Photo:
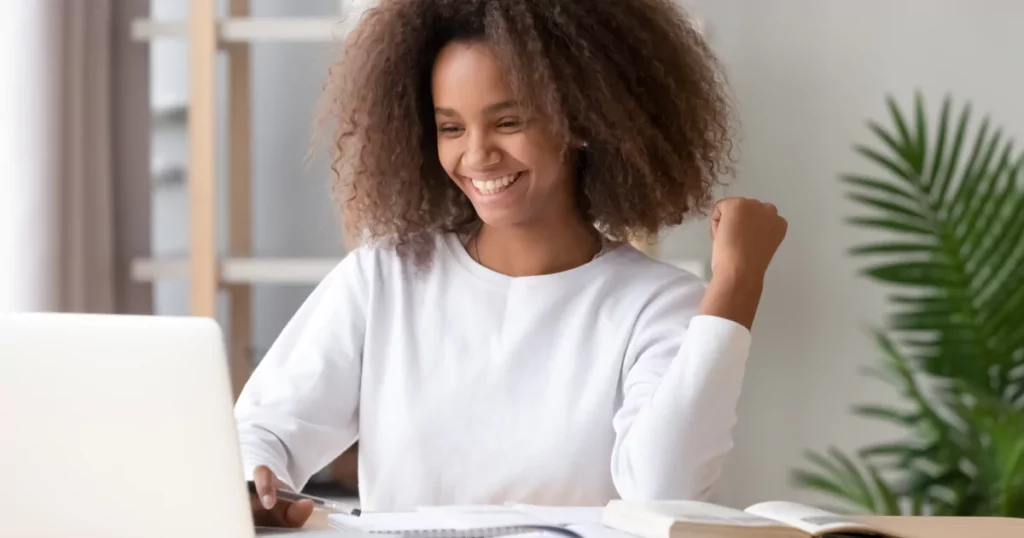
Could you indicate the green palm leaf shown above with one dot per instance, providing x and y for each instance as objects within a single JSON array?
[
  {"x": 948, "y": 206},
  {"x": 955, "y": 235}
]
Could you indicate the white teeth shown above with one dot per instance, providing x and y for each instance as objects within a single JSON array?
[{"x": 492, "y": 186}]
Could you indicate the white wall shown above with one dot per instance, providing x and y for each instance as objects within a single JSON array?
[{"x": 807, "y": 75}]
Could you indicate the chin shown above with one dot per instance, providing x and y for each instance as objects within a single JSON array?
[{"x": 501, "y": 219}]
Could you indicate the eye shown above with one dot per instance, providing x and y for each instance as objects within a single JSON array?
[
  {"x": 511, "y": 124},
  {"x": 449, "y": 129}
]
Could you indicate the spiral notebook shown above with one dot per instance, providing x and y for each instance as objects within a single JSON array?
[{"x": 466, "y": 522}]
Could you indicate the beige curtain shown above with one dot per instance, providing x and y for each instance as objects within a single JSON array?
[{"x": 100, "y": 192}]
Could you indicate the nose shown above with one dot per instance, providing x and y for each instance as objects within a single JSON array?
[{"x": 481, "y": 152}]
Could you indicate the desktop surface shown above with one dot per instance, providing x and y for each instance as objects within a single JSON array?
[{"x": 909, "y": 526}]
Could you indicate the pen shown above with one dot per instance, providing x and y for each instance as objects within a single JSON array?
[{"x": 288, "y": 495}]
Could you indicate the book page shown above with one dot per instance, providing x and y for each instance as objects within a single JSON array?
[
  {"x": 693, "y": 512},
  {"x": 812, "y": 520}
]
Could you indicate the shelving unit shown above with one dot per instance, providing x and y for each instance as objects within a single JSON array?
[
  {"x": 252, "y": 30},
  {"x": 207, "y": 272},
  {"x": 241, "y": 271}
]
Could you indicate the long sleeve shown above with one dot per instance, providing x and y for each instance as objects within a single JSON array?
[
  {"x": 299, "y": 409},
  {"x": 674, "y": 429}
]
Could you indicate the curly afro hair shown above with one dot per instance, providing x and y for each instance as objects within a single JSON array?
[{"x": 634, "y": 79}]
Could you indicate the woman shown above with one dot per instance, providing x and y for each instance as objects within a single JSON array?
[{"x": 497, "y": 339}]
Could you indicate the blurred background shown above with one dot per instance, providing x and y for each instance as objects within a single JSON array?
[{"x": 102, "y": 209}]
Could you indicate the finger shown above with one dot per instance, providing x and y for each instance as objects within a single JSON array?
[
  {"x": 290, "y": 513},
  {"x": 716, "y": 216},
  {"x": 264, "y": 480},
  {"x": 255, "y": 504},
  {"x": 270, "y": 518},
  {"x": 298, "y": 512},
  {"x": 716, "y": 211},
  {"x": 771, "y": 208},
  {"x": 274, "y": 517}
]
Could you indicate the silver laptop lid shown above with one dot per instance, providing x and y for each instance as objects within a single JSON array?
[{"x": 117, "y": 426}]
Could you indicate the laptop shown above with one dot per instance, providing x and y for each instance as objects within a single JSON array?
[{"x": 119, "y": 426}]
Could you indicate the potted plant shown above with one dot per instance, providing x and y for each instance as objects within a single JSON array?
[{"x": 950, "y": 205}]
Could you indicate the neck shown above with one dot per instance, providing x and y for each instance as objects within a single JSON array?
[{"x": 535, "y": 250}]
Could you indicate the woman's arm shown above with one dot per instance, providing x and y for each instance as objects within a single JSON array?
[
  {"x": 299, "y": 409},
  {"x": 688, "y": 355},
  {"x": 674, "y": 429}
]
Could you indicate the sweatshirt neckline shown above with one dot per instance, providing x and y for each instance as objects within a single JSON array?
[{"x": 458, "y": 251}]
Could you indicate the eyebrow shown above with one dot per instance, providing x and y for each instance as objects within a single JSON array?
[
  {"x": 496, "y": 107},
  {"x": 500, "y": 106}
]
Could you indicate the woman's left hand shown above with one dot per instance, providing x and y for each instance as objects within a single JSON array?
[{"x": 746, "y": 233}]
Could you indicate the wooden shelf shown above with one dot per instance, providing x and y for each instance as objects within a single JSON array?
[
  {"x": 252, "y": 29},
  {"x": 284, "y": 271},
  {"x": 265, "y": 29},
  {"x": 280, "y": 271}
]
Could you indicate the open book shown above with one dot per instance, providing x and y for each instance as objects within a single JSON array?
[{"x": 693, "y": 519}]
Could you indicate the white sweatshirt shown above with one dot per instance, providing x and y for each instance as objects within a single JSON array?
[{"x": 464, "y": 385}]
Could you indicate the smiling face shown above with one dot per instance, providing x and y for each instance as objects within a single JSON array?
[{"x": 508, "y": 165}]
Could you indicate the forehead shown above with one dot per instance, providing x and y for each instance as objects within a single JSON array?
[{"x": 468, "y": 78}]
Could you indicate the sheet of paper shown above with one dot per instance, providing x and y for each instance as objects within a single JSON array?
[
  {"x": 597, "y": 530},
  {"x": 389, "y": 521},
  {"x": 516, "y": 514},
  {"x": 478, "y": 516},
  {"x": 460, "y": 517},
  {"x": 563, "y": 515}
]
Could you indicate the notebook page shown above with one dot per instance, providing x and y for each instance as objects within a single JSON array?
[
  {"x": 388, "y": 521},
  {"x": 516, "y": 514},
  {"x": 597, "y": 530},
  {"x": 563, "y": 515},
  {"x": 480, "y": 516},
  {"x": 444, "y": 521}
]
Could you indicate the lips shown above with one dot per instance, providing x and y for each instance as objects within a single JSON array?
[{"x": 495, "y": 185}]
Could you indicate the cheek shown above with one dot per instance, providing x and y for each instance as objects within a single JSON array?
[
  {"x": 448, "y": 156},
  {"x": 541, "y": 157}
]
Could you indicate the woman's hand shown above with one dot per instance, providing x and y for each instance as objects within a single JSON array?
[
  {"x": 268, "y": 511},
  {"x": 745, "y": 233}
]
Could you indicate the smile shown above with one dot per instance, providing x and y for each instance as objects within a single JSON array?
[{"x": 496, "y": 185}]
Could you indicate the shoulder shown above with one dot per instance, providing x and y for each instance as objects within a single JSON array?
[
  {"x": 384, "y": 260},
  {"x": 651, "y": 280}
]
